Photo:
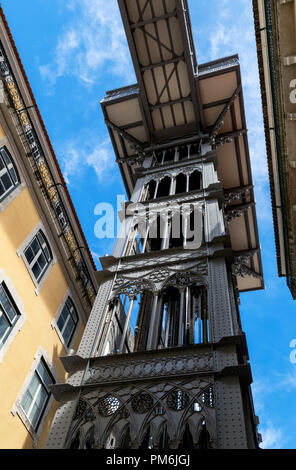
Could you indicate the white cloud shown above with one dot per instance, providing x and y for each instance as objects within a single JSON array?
[
  {"x": 100, "y": 159},
  {"x": 76, "y": 158},
  {"x": 272, "y": 438},
  {"x": 91, "y": 45},
  {"x": 289, "y": 381}
]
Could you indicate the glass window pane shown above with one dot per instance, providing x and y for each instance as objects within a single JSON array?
[
  {"x": 74, "y": 315},
  {"x": 4, "y": 327},
  {"x": 35, "y": 246},
  {"x": 34, "y": 415},
  {"x": 30, "y": 393},
  {"x": 41, "y": 397},
  {"x": 29, "y": 255},
  {"x": 36, "y": 270},
  {"x": 1, "y": 164},
  {"x": 6, "y": 181},
  {"x": 1, "y": 189},
  {"x": 38, "y": 406},
  {"x": 26, "y": 401},
  {"x": 9, "y": 310},
  {"x": 42, "y": 261},
  {"x": 63, "y": 318},
  {"x": 47, "y": 253},
  {"x": 45, "y": 376},
  {"x": 68, "y": 331},
  {"x": 5, "y": 157},
  {"x": 13, "y": 175},
  {"x": 40, "y": 238},
  {"x": 7, "y": 305}
]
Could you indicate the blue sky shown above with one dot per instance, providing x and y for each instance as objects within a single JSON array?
[{"x": 75, "y": 50}]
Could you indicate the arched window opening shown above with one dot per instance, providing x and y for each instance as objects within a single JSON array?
[
  {"x": 126, "y": 439},
  {"x": 204, "y": 438},
  {"x": 195, "y": 181},
  {"x": 90, "y": 440},
  {"x": 147, "y": 442},
  {"x": 75, "y": 444},
  {"x": 181, "y": 183},
  {"x": 151, "y": 190},
  {"x": 164, "y": 187},
  {"x": 163, "y": 443},
  {"x": 187, "y": 440},
  {"x": 9, "y": 178}
]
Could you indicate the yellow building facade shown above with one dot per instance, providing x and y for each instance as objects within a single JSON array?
[{"x": 47, "y": 275}]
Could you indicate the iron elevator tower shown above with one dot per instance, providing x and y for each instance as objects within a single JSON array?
[{"x": 163, "y": 362}]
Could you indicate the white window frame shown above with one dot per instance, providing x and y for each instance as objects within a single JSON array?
[
  {"x": 4, "y": 142},
  {"x": 54, "y": 323},
  {"x": 21, "y": 253},
  {"x": 22, "y": 316},
  {"x": 7, "y": 170},
  {"x": 17, "y": 409}
]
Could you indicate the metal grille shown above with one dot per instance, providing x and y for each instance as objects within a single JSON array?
[
  {"x": 177, "y": 400},
  {"x": 142, "y": 403},
  {"x": 108, "y": 406}
]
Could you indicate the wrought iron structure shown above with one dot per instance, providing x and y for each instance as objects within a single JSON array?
[{"x": 163, "y": 362}]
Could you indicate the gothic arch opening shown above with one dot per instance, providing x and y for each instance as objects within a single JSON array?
[
  {"x": 75, "y": 444},
  {"x": 125, "y": 439},
  {"x": 151, "y": 190},
  {"x": 204, "y": 438},
  {"x": 164, "y": 187},
  {"x": 187, "y": 442},
  {"x": 181, "y": 183},
  {"x": 147, "y": 442},
  {"x": 195, "y": 181},
  {"x": 163, "y": 442}
]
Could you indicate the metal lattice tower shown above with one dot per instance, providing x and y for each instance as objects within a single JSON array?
[{"x": 163, "y": 362}]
